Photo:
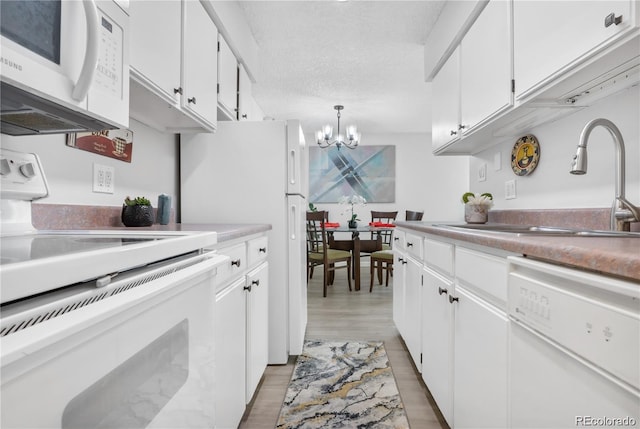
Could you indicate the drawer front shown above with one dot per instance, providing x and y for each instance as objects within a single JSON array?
[
  {"x": 439, "y": 255},
  {"x": 257, "y": 250},
  {"x": 414, "y": 245},
  {"x": 399, "y": 241},
  {"x": 484, "y": 273},
  {"x": 235, "y": 266}
]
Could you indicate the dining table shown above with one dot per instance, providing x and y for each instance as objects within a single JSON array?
[{"x": 356, "y": 244}]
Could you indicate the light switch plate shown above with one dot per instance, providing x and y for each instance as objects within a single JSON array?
[
  {"x": 103, "y": 179},
  {"x": 510, "y": 189},
  {"x": 482, "y": 172}
]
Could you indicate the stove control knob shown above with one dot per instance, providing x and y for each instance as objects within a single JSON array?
[
  {"x": 27, "y": 170},
  {"x": 5, "y": 168}
]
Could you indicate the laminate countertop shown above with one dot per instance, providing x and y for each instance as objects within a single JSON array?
[
  {"x": 226, "y": 231},
  {"x": 616, "y": 256}
]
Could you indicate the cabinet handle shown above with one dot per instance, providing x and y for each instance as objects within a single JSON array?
[
  {"x": 247, "y": 288},
  {"x": 404, "y": 262},
  {"x": 462, "y": 127},
  {"x": 612, "y": 19},
  {"x": 177, "y": 90},
  {"x": 454, "y": 132},
  {"x": 255, "y": 282},
  {"x": 441, "y": 291},
  {"x": 236, "y": 263},
  {"x": 409, "y": 244},
  {"x": 263, "y": 250},
  {"x": 400, "y": 260},
  {"x": 395, "y": 239},
  {"x": 191, "y": 100},
  {"x": 452, "y": 299},
  {"x": 244, "y": 116}
]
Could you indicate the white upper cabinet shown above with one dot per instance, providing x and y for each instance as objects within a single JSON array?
[
  {"x": 474, "y": 84},
  {"x": 245, "y": 99},
  {"x": 552, "y": 37},
  {"x": 446, "y": 101},
  {"x": 155, "y": 24},
  {"x": 200, "y": 63},
  {"x": 485, "y": 67},
  {"x": 228, "y": 81},
  {"x": 173, "y": 65}
]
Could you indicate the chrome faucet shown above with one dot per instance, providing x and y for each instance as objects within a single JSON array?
[{"x": 622, "y": 211}]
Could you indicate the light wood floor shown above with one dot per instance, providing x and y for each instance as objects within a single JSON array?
[{"x": 345, "y": 315}]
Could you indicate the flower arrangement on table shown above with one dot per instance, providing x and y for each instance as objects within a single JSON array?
[
  {"x": 476, "y": 207},
  {"x": 352, "y": 201}
]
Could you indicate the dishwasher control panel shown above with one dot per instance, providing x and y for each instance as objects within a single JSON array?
[{"x": 598, "y": 325}]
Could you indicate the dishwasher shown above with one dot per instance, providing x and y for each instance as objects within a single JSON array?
[{"x": 574, "y": 348}]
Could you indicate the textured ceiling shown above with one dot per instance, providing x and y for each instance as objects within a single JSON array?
[{"x": 365, "y": 55}]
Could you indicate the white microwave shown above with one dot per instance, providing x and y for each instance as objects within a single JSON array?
[{"x": 64, "y": 66}]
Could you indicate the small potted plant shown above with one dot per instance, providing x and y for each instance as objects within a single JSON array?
[
  {"x": 476, "y": 207},
  {"x": 137, "y": 212},
  {"x": 355, "y": 199}
]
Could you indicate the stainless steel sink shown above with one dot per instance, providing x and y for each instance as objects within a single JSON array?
[{"x": 538, "y": 230}]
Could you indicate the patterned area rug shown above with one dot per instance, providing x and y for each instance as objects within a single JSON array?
[{"x": 342, "y": 385}]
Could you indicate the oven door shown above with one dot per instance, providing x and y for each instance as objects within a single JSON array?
[{"x": 141, "y": 357}]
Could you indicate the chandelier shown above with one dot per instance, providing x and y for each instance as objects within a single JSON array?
[{"x": 326, "y": 133}]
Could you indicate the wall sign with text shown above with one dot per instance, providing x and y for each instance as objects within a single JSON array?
[{"x": 117, "y": 144}]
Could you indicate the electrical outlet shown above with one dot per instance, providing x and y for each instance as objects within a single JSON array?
[
  {"x": 482, "y": 172},
  {"x": 510, "y": 189},
  {"x": 103, "y": 179}
]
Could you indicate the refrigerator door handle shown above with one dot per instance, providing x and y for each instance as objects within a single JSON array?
[
  {"x": 293, "y": 219},
  {"x": 293, "y": 172}
]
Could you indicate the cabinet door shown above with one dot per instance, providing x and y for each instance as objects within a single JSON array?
[
  {"x": 257, "y": 327},
  {"x": 485, "y": 66},
  {"x": 154, "y": 24},
  {"x": 230, "y": 355},
  {"x": 245, "y": 98},
  {"x": 200, "y": 62},
  {"x": 437, "y": 344},
  {"x": 551, "y": 35},
  {"x": 480, "y": 368},
  {"x": 399, "y": 264},
  {"x": 228, "y": 81},
  {"x": 413, "y": 305},
  {"x": 446, "y": 102}
]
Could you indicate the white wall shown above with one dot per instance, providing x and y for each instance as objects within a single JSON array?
[
  {"x": 551, "y": 185},
  {"x": 69, "y": 171},
  {"x": 423, "y": 181}
]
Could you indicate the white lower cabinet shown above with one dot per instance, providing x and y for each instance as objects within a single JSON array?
[
  {"x": 257, "y": 327},
  {"x": 242, "y": 324},
  {"x": 480, "y": 363},
  {"x": 231, "y": 313},
  {"x": 413, "y": 311},
  {"x": 437, "y": 347},
  {"x": 400, "y": 259}
]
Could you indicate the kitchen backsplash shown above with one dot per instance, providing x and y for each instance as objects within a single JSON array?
[{"x": 63, "y": 216}]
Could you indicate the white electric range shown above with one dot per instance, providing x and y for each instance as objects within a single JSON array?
[{"x": 108, "y": 328}]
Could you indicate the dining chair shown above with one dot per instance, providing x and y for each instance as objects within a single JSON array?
[
  {"x": 330, "y": 234},
  {"x": 319, "y": 253},
  {"x": 384, "y": 217},
  {"x": 411, "y": 215},
  {"x": 381, "y": 260}
]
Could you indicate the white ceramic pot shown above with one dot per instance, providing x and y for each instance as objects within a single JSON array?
[{"x": 476, "y": 213}]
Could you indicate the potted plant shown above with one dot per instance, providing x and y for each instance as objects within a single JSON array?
[
  {"x": 355, "y": 199},
  {"x": 137, "y": 212},
  {"x": 476, "y": 207}
]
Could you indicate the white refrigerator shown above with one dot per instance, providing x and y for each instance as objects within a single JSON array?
[{"x": 256, "y": 172}]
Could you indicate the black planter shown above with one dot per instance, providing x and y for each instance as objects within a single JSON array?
[
  {"x": 137, "y": 215},
  {"x": 353, "y": 224}
]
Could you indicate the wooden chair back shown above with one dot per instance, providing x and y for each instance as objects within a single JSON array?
[{"x": 384, "y": 217}]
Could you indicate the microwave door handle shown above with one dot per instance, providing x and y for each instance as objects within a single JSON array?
[{"x": 91, "y": 55}]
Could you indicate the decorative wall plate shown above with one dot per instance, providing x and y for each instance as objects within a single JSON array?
[{"x": 525, "y": 155}]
